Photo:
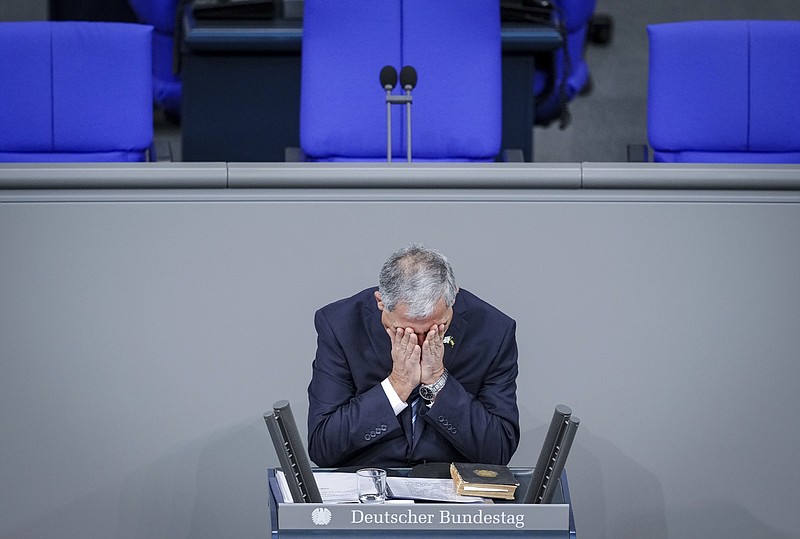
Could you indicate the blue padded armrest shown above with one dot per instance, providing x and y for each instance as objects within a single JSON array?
[
  {"x": 455, "y": 47},
  {"x": 576, "y": 13},
  {"x": 167, "y": 88},
  {"x": 159, "y": 13},
  {"x": 573, "y": 70},
  {"x": 342, "y": 106}
]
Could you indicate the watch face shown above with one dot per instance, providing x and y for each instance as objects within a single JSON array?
[{"x": 426, "y": 393}]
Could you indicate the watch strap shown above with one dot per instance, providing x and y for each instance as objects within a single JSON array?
[{"x": 429, "y": 391}]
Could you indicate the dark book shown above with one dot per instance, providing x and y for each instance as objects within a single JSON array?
[{"x": 484, "y": 480}]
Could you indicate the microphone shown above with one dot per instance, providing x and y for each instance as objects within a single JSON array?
[
  {"x": 388, "y": 78},
  {"x": 408, "y": 80}
]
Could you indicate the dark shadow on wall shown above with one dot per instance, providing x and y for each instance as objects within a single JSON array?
[
  {"x": 613, "y": 496},
  {"x": 232, "y": 488},
  {"x": 720, "y": 518},
  {"x": 213, "y": 488},
  {"x": 216, "y": 488},
  {"x": 603, "y": 479}
]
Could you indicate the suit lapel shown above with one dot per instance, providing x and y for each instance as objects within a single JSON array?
[
  {"x": 381, "y": 345},
  {"x": 382, "y": 348},
  {"x": 456, "y": 332}
]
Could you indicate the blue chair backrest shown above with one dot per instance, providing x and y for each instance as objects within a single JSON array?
[
  {"x": 75, "y": 91},
  {"x": 724, "y": 91},
  {"x": 457, "y": 103}
]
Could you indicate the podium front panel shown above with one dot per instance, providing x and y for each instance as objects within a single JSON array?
[{"x": 430, "y": 520}]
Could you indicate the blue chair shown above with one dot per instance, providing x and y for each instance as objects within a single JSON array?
[
  {"x": 75, "y": 91},
  {"x": 562, "y": 75},
  {"x": 724, "y": 92},
  {"x": 163, "y": 16},
  {"x": 457, "y": 103}
]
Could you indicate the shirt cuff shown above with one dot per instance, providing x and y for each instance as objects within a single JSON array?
[{"x": 394, "y": 399}]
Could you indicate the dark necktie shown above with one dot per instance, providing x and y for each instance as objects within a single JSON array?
[{"x": 414, "y": 413}]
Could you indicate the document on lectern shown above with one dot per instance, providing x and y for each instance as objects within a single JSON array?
[
  {"x": 334, "y": 487},
  {"x": 431, "y": 490},
  {"x": 340, "y": 487}
]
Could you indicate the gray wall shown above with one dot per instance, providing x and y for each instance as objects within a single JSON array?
[{"x": 143, "y": 334}]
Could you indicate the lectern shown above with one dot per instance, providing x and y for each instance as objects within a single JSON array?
[{"x": 425, "y": 520}]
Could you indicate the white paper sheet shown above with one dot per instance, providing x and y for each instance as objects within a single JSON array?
[{"x": 339, "y": 487}]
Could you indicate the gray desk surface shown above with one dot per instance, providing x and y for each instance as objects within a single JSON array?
[
  {"x": 611, "y": 179},
  {"x": 287, "y": 35}
]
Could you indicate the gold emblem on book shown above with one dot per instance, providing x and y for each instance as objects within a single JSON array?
[{"x": 485, "y": 473}]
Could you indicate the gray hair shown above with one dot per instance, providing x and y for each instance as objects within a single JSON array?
[{"x": 418, "y": 278}]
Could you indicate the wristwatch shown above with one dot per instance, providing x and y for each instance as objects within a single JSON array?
[{"x": 429, "y": 391}]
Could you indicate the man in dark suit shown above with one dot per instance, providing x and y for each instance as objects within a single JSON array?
[{"x": 416, "y": 370}]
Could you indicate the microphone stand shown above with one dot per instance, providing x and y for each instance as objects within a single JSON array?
[
  {"x": 408, "y": 79},
  {"x": 388, "y": 78},
  {"x": 408, "y": 121},
  {"x": 388, "y": 126}
]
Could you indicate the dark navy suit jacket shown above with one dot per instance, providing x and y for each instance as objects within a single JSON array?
[{"x": 475, "y": 416}]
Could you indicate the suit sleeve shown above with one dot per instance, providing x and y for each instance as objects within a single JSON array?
[
  {"x": 483, "y": 427},
  {"x": 343, "y": 418}
]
